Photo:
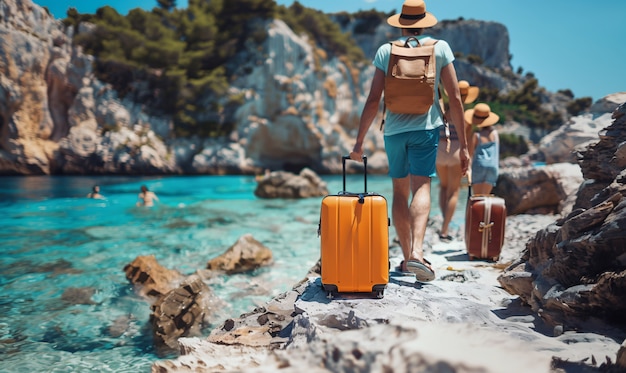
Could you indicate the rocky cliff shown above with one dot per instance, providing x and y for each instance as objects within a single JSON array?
[
  {"x": 575, "y": 268},
  {"x": 300, "y": 106},
  {"x": 56, "y": 117}
]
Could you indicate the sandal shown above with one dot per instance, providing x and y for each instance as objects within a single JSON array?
[
  {"x": 400, "y": 271},
  {"x": 422, "y": 272},
  {"x": 445, "y": 238}
]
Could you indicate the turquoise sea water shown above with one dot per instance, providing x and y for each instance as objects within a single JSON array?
[{"x": 53, "y": 239}]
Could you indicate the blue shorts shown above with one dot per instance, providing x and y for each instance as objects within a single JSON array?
[
  {"x": 412, "y": 153},
  {"x": 484, "y": 174}
]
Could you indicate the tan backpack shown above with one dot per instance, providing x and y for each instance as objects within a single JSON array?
[{"x": 410, "y": 80}]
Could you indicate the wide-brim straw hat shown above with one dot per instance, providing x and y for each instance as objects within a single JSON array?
[
  {"x": 469, "y": 93},
  {"x": 481, "y": 116},
  {"x": 414, "y": 15}
]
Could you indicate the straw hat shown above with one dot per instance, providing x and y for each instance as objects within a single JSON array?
[
  {"x": 414, "y": 15},
  {"x": 481, "y": 116},
  {"x": 469, "y": 93}
]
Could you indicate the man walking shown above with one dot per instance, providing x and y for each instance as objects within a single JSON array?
[{"x": 411, "y": 140}]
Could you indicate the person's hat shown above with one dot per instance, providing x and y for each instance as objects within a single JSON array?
[
  {"x": 414, "y": 15},
  {"x": 469, "y": 93},
  {"x": 481, "y": 116}
]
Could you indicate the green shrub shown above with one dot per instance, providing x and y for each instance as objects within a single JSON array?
[
  {"x": 326, "y": 33},
  {"x": 512, "y": 145},
  {"x": 474, "y": 59},
  {"x": 566, "y": 92},
  {"x": 579, "y": 105},
  {"x": 367, "y": 21},
  {"x": 522, "y": 105},
  {"x": 180, "y": 53}
]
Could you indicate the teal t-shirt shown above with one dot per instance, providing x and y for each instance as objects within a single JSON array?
[{"x": 397, "y": 123}]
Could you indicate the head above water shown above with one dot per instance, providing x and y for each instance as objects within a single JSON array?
[
  {"x": 413, "y": 15},
  {"x": 144, "y": 188}
]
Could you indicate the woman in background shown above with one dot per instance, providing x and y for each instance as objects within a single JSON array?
[
  {"x": 485, "y": 148},
  {"x": 449, "y": 164}
]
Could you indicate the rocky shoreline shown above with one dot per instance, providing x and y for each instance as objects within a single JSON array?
[
  {"x": 464, "y": 321},
  {"x": 551, "y": 303}
]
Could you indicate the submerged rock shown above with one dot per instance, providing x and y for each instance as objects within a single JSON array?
[
  {"x": 79, "y": 295},
  {"x": 244, "y": 255}
]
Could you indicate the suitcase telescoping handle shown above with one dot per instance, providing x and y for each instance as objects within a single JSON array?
[{"x": 343, "y": 161}]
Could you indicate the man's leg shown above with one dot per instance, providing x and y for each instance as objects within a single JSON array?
[
  {"x": 418, "y": 212},
  {"x": 400, "y": 215}
]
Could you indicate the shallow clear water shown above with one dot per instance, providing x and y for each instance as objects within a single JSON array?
[{"x": 54, "y": 239}]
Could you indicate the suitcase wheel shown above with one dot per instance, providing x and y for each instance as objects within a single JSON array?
[
  {"x": 379, "y": 290},
  {"x": 495, "y": 258},
  {"x": 331, "y": 290}
]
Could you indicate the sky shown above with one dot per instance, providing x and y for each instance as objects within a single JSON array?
[{"x": 566, "y": 44}]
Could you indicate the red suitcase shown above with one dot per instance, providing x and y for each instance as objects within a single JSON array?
[
  {"x": 485, "y": 222},
  {"x": 354, "y": 231}
]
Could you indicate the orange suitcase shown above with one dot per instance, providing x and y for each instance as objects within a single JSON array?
[
  {"x": 485, "y": 221},
  {"x": 354, "y": 231}
]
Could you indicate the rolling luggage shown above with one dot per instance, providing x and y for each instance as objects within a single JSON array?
[
  {"x": 354, "y": 231},
  {"x": 485, "y": 222}
]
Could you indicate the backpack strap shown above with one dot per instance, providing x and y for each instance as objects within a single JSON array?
[
  {"x": 382, "y": 122},
  {"x": 406, "y": 44},
  {"x": 443, "y": 117}
]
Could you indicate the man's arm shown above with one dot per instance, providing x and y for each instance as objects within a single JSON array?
[{"x": 369, "y": 113}]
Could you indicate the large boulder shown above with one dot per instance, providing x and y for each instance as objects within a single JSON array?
[
  {"x": 244, "y": 255},
  {"x": 562, "y": 145},
  {"x": 282, "y": 184},
  {"x": 549, "y": 189},
  {"x": 576, "y": 267},
  {"x": 151, "y": 278},
  {"x": 181, "y": 312},
  {"x": 180, "y": 306}
]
